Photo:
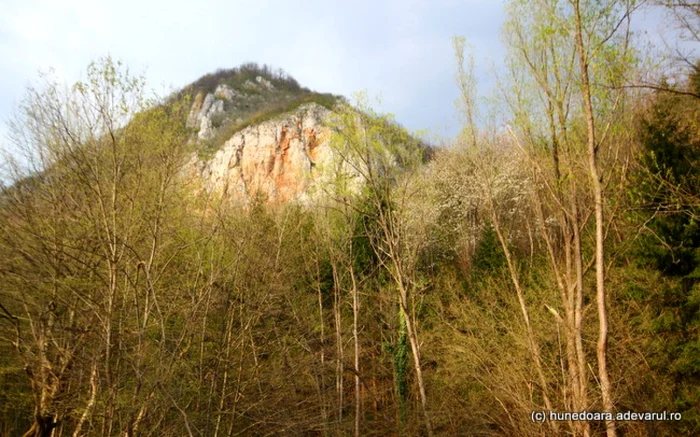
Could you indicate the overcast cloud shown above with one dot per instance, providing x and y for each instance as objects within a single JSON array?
[{"x": 399, "y": 49}]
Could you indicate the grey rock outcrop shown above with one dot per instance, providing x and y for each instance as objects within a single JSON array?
[
  {"x": 265, "y": 83},
  {"x": 206, "y": 127},
  {"x": 225, "y": 92},
  {"x": 202, "y": 112}
]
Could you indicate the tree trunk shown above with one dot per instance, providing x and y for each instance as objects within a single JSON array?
[
  {"x": 356, "y": 337},
  {"x": 42, "y": 427},
  {"x": 412, "y": 340},
  {"x": 534, "y": 347},
  {"x": 339, "y": 343},
  {"x": 596, "y": 185}
]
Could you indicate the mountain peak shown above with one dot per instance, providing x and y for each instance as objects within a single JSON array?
[
  {"x": 228, "y": 100},
  {"x": 257, "y": 131}
]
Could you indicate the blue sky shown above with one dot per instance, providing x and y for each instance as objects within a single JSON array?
[{"x": 398, "y": 49}]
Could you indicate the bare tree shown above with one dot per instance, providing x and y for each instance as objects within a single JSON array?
[{"x": 382, "y": 158}]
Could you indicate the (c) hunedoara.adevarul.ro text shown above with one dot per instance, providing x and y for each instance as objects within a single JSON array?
[{"x": 562, "y": 416}]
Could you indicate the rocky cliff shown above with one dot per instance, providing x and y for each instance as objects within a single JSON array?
[
  {"x": 257, "y": 135},
  {"x": 279, "y": 158}
]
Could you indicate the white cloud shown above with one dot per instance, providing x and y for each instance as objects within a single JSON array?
[{"x": 400, "y": 48}]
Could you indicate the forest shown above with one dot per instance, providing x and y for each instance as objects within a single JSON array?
[{"x": 540, "y": 269}]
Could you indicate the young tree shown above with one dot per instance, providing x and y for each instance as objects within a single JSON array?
[
  {"x": 573, "y": 58},
  {"x": 381, "y": 159},
  {"x": 88, "y": 244}
]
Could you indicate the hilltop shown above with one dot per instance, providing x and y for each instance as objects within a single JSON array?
[
  {"x": 229, "y": 100},
  {"x": 256, "y": 131}
]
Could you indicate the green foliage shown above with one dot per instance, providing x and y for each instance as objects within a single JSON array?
[
  {"x": 670, "y": 179},
  {"x": 400, "y": 354},
  {"x": 15, "y": 400},
  {"x": 669, "y": 182},
  {"x": 489, "y": 259},
  {"x": 152, "y": 310},
  {"x": 236, "y": 78},
  {"x": 671, "y": 327},
  {"x": 218, "y": 119},
  {"x": 274, "y": 110}
]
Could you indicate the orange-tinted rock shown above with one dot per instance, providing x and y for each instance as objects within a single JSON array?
[{"x": 281, "y": 158}]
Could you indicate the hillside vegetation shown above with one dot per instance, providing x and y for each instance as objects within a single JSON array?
[
  {"x": 262, "y": 93},
  {"x": 544, "y": 263}
]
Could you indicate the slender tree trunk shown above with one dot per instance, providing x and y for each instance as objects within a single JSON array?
[
  {"x": 415, "y": 351},
  {"x": 322, "y": 358},
  {"x": 570, "y": 292},
  {"x": 224, "y": 383},
  {"x": 596, "y": 185},
  {"x": 534, "y": 346},
  {"x": 578, "y": 318},
  {"x": 356, "y": 338},
  {"x": 570, "y": 283},
  {"x": 91, "y": 401},
  {"x": 339, "y": 381}
]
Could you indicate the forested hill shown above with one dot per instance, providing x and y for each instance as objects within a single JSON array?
[
  {"x": 257, "y": 133},
  {"x": 248, "y": 257}
]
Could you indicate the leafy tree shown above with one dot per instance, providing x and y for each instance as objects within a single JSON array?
[{"x": 669, "y": 181}]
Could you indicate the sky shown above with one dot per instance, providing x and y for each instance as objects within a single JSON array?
[{"x": 398, "y": 50}]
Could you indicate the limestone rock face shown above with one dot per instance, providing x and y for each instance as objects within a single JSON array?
[
  {"x": 206, "y": 129},
  {"x": 265, "y": 83},
  {"x": 225, "y": 92},
  {"x": 281, "y": 158},
  {"x": 203, "y": 109}
]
